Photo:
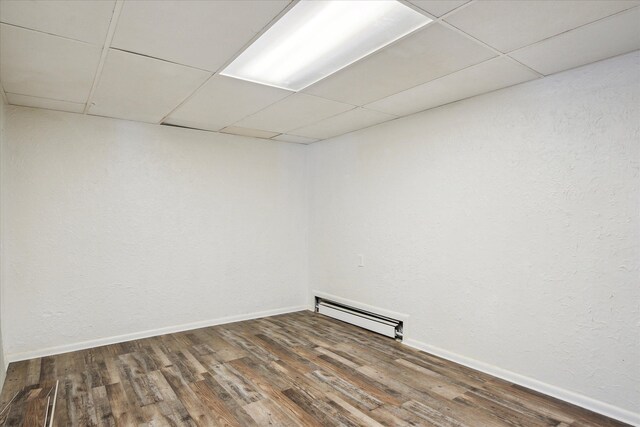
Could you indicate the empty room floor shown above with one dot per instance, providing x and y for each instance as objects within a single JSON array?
[{"x": 297, "y": 369}]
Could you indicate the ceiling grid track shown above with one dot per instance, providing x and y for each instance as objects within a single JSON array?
[
  {"x": 105, "y": 50},
  {"x": 309, "y": 124},
  {"x": 499, "y": 54},
  {"x": 230, "y": 60},
  {"x": 471, "y": 47},
  {"x": 494, "y": 50},
  {"x": 508, "y": 55},
  {"x": 290, "y": 132},
  {"x": 3, "y": 94},
  {"x": 44, "y": 32},
  {"x": 266, "y": 28}
]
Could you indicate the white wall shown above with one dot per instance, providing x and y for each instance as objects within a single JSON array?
[
  {"x": 115, "y": 227},
  {"x": 2, "y": 357},
  {"x": 505, "y": 225}
]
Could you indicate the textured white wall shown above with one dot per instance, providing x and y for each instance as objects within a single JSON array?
[
  {"x": 2, "y": 363},
  {"x": 506, "y": 226},
  {"x": 115, "y": 227}
]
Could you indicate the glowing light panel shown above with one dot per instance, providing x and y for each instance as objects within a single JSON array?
[{"x": 317, "y": 38}]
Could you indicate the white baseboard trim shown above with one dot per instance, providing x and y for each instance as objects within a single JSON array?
[
  {"x": 548, "y": 389},
  {"x": 16, "y": 357}
]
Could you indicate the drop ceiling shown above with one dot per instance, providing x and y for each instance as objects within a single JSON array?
[{"x": 159, "y": 61}]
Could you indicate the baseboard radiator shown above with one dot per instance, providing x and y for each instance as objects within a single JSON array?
[{"x": 365, "y": 319}]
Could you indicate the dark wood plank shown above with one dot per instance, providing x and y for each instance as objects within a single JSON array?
[{"x": 296, "y": 369}]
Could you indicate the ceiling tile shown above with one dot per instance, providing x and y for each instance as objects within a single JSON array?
[
  {"x": 256, "y": 133},
  {"x": 294, "y": 138},
  {"x": 223, "y": 101},
  {"x": 86, "y": 20},
  {"x": 355, "y": 119},
  {"x": 293, "y": 112},
  {"x": 609, "y": 37},
  {"x": 485, "y": 77},
  {"x": 135, "y": 87},
  {"x": 48, "y": 104},
  {"x": 509, "y": 25},
  {"x": 426, "y": 55},
  {"x": 38, "y": 64},
  {"x": 438, "y": 7},
  {"x": 202, "y": 34}
]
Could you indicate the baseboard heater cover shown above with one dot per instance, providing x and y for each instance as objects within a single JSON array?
[{"x": 365, "y": 319}]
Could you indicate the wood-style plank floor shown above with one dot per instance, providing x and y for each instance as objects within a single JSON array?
[{"x": 298, "y": 369}]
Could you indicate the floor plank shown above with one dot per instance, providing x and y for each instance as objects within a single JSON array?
[{"x": 296, "y": 369}]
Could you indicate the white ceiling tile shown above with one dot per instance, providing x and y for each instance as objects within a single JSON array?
[
  {"x": 438, "y": 7},
  {"x": 46, "y": 66},
  {"x": 485, "y": 77},
  {"x": 86, "y": 20},
  {"x": 48, "y": 104},
  {"x": 351, "y": 120},
  {"x": 223, "y": 101},
  {"x": 135, "y": 87},
  {"x": 255, "y": 133},
  {"x": 202, "y": 34},
  {"x": 426, "y": 55},
  {"x": 294, "y": 138},
  {"x": 609, "y": 37},
  {"x": 509, "y": 25},
  {"x": 293, "y": 112}
]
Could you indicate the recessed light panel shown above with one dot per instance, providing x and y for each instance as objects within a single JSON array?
[{"x": 317, "y": 38}]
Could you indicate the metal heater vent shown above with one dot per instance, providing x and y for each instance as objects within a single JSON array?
[{"x": 365, "y": 319}]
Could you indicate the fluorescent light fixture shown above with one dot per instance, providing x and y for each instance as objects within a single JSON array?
[{"x": 316, "y": 38}]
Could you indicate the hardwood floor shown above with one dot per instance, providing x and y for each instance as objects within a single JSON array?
[{"x": 298, "y": 369}]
